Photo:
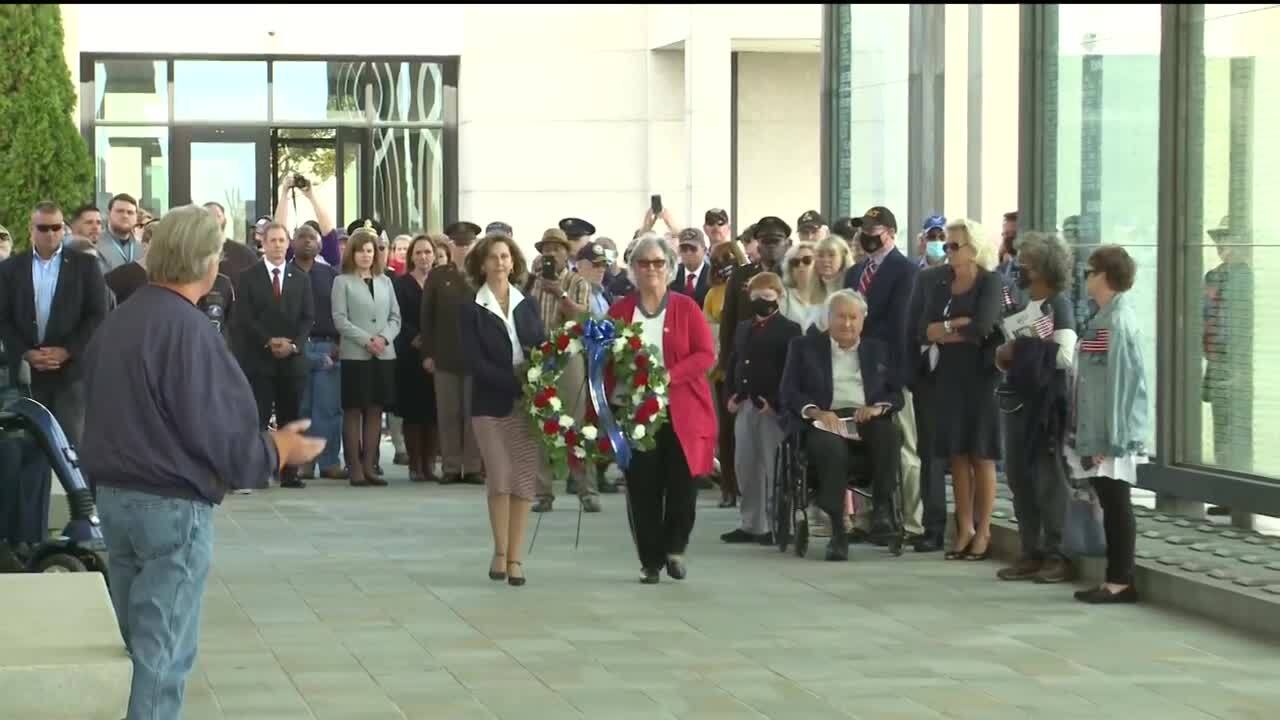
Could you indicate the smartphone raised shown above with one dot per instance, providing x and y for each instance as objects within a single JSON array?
[{"x": 655, "y": 204}]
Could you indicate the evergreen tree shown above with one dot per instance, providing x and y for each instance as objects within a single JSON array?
[{"x": 42, "y": 156}]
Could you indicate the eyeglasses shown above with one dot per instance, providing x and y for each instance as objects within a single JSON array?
[
  {"x": 807, "y": 260},
  {"x": 55, "y": 227},
  {"x": 952, "y": 246},
  {"x": 657, "y": 264}
]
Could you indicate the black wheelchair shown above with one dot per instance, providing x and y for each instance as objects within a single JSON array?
[{"x": 793, "y": 492}]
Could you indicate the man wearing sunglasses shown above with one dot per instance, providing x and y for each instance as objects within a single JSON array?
[
  {"x": 6, "y": 243},
  {"x": 693, "y": 277},
  {"x": 51, "y": 300},
  {"x": 716, "y": 226}
]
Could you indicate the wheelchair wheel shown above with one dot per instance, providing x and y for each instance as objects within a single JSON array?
[
  {"x": 781, "y": 499},
  {"x": 802, "y": 538}
]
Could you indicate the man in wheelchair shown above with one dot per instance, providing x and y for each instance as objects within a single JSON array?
[{"x": 837, "y": 383}]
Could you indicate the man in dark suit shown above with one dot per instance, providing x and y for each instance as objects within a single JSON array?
[
  {"x": 838, "y": 375},
  {"x": 886, "y": 278},
  {"x": 51, "y": 300},
  {"x": 274, "y": 317},
  {"x": 923, "y": 390},
  {"x": 693, "y": 277}
]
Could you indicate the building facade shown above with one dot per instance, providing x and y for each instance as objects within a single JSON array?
[
  {"x": 420, "y": 115},
  {"x": 1140, "y": 125}
]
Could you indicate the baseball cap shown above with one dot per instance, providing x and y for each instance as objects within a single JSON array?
[
  {"x": 846, "y": 227},
  {"x": 593, "y": 252},
  {"x": 692, "y": 236},
  {"x": 497, "y": 227},
  {"x": 716, "y": 216},
  {"x": 879, "y": 215},
  {"x": 811, "y": 219},
  {"x": 934, "y": 222}
]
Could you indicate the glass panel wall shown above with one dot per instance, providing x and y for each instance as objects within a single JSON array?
[
  {"x": 303, "y": 91},
  {"x": 220, "y": 90},
  {"x": 131, "y": 90},
  {"x": 878, "y": 101},
  {"x": 1233, "y": 320},
  {"x": 132, "y": 160},
  {"x": 408, "y": 179},
  {"x": 1107, "y": 108}
]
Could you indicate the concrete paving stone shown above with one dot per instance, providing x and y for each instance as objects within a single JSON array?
[{"x": 348, "y": 620}]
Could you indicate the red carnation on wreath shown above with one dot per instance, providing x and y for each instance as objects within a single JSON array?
[
  {"x": 562, "y": 342},
  {"x": 642, "y": 362},
  {"x": 603, "y": 445},
  {"x": 547, "y": 347},
  {"x": 571, "y": 438},
  {"x": 540, "y": 400},
  {"x": 640, "y": 379},
  {"x": 636, "y": 343},
  {"x": 551, "y": 427}
]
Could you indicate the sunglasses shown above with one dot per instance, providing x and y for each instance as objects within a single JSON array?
[
  {"x": 807, "y": 260},
  {"x": 657, "y": 264},
  {"x": 718, "y": 223},
  {"x": 55, "y": 227},
  {"x": 688, "y": 248},
  {"x": 952, "y": 246}
]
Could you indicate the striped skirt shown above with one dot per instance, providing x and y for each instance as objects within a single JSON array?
[{"x": 512, "y": 457}]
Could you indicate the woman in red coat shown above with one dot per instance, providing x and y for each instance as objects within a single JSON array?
[{"x": 661, "y": 493}]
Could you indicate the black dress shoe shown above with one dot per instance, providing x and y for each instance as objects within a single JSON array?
[
  {"x": 927, "y": 544},
  {"x": 857, "y": 536},
  {"x": 292, "y": 483},
  {"x": 512, "y": 580},
  {"x": 473, "y": 479},
  {"x": 649, "y": 576},
  {"x": 450, "y": 479},
  {"x": 676, "y": 569},
  {"x": 738, "y": 536},
  {"x": 837, "y": 551},
  {"x": 1102, "y": 596},
  {"x": 765, "y": 538}
]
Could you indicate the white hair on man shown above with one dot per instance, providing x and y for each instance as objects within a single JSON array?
[{"x": 845, "y": 296}]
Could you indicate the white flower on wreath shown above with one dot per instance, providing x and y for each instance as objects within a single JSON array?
[
  {"x": 638, "y": 397},
  {"x": 619, "y": 345},
  {"x": 637, "y": 433},
  {"x": 555, "y": 404},
  {"x": 534, "y": 374},
  {"x": 628, "y": 333},
  {"x": 579, "y": 453},
  {"x": 575, "y": 347},
  {"x": 589, "y": 432},
  {"x": 571, "y": 324},
  {"x": 660, "y": 391},
  {"x": 566, "y": 422},
  {"x": 559, "y": 441}
]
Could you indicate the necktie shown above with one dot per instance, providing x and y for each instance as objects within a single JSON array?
[
  {"x": 690, "y": 282},
  {"x": 867, "y": 273},
  {"x": 275, "y": 282}
]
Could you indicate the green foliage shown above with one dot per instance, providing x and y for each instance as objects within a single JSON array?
[{"x": 42, "y": 156}]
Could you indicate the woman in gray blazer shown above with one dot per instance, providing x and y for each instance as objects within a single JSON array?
[{"x": 367, "y": 317}]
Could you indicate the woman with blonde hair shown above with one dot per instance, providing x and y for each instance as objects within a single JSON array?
[
  {"x": 800, "y": 281},
  {"x": 832, "y": 261},
  {"x": 960, "y": 319},
  {"x": 724, "y": 257}
]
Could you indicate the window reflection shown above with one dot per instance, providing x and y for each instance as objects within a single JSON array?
[
  {"x": 132, "y": 160},
  {"x": 317, "y": 90},
  {"x": 408, "y": 179},
  {"x": 131, "y": 90},
  {"x": 220, "y": 90}
]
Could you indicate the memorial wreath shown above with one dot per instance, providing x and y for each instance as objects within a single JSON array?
[{"x": 640, "y": 395}]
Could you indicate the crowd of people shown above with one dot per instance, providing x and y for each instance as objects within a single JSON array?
[{"x": 185, "y": 366}]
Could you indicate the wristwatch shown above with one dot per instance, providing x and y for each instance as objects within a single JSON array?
[{"x": 946, "y": 325}]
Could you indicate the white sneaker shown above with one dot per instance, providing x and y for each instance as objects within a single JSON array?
[{"x": 242, "y": 491}]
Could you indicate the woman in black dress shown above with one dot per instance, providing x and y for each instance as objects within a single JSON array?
[
  {"x": 960, "y": 319},
  {"x": 415, "y": 390}
]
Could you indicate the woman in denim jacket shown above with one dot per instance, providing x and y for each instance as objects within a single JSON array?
[{"x": 1109, "y": 420}]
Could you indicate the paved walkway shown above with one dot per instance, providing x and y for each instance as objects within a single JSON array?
[{"x": 338, "y": 602}]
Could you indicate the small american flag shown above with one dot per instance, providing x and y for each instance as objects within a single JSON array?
[
  {"x": 1006, "y": 297},
  {"x": 1099, "y": 343},
  {"x": 1044, "y": 327}
]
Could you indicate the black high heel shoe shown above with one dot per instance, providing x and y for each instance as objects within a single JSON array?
[
  {"x": 512, "y": 580},
  {"x": 976, "y": 557},
  {"x": 497, "y": 574},
  {"x": 960, "y": 553}
]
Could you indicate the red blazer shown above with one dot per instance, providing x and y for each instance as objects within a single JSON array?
[{"x": 688, "y": 356}]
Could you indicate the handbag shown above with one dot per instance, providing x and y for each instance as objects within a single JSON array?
[{"x": 1082, "y": 532}]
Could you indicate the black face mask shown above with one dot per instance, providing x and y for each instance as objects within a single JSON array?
[
  {"x": 763, "y": 308},
  {"x": 722, "y": 271},
  {"x": 870, "y": 243}
]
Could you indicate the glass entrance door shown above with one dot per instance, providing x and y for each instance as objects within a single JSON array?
[
  {"x": 226, "y": 166},
  {"x": 331, "y": 159}
]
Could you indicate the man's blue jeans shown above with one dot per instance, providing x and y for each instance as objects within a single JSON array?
[
  {"x": 160, "y": 549},
  {"x": 322, "y": 401}
]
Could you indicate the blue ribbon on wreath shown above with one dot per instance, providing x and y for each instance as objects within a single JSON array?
[{"x": 597, "y": 338}]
